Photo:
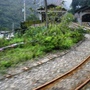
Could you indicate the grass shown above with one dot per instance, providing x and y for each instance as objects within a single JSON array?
[
  {"x": 38, "y": 42},
  {"x": 20, "y": 54},
  {"x": 12, "y": 57},
  {"x": 9, "y": 42}
]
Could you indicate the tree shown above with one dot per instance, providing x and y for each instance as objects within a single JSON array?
[{"x": 79, "y": 3}]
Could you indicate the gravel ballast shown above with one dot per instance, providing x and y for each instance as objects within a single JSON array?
[
  {"x": 75, "y": 79},
  {"x": 48, "y": 71}
]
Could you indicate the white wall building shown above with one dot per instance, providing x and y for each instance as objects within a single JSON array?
[
  {"x": 50, "y": 4},
  {"x": 83, "y": 14}
]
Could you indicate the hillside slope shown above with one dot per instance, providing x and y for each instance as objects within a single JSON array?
[
  {"x": 11, "y": 12},
  {"x": 79, "y": 3}
]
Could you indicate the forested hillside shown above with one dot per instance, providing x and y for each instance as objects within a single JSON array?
[
  {"x": 11, "y": 12},
  {"x": 79, "y": 3}
]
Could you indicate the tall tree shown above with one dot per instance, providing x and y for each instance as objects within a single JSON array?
[
  {"x": 79, "y": 3},
  {"x": 11, "y": 12}
]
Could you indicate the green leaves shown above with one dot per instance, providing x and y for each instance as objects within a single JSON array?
[
  {"x": 56, "y": 36},
  {"x": 40, "y": 40},
  {"x": 79, "y": 3}
]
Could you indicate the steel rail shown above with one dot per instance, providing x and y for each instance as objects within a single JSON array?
[
  {"x": 62, "y": 76},
  {"x": 83, "y": 84}
]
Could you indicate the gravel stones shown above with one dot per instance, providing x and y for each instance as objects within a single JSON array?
[{"x": 45, "y": 72}]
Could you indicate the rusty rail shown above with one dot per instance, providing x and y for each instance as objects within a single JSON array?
[
  {"x": 62, "y": 76},
  {"x": 83, "y": 84}
]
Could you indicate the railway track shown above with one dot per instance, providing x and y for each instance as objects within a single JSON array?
[
  {"x": 25, "y": 69},
  {"x": 49, "y": 85},
  {"x": 83, "y": 84},
  {"x": 39, "y": 63}
]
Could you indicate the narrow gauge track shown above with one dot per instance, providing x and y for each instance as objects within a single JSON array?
[
  {"x": 37, "y": 64},
  {"x": 51, "y": 83},
  {"x": 83, "y": 84}
]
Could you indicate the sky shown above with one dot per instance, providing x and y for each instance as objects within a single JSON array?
[{"x": 67, "y": 3}]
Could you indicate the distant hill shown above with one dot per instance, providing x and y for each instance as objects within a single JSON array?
[
  {"x": 11, "y": 12},
  {"x": 79, "y": 3}
]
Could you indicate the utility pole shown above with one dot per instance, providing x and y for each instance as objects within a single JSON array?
[
  {"x": 45, "y": 1},
  {"x": 24, "y": 11}
]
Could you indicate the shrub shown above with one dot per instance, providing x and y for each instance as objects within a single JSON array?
[
  {"x": 5, "y": 64},
  {"x": 40, "y": 40},
  {"x": 3, "y": 42}
]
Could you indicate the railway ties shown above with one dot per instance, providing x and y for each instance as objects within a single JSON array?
[{"x": 75, "y": 79}]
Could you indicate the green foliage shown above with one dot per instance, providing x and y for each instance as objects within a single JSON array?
[
  {"x": 78, "y": 35},
  {"x": 55, "y": 17},
  {"x": 11, "y": 11},
  {"x": 67, "y": 18},
  {"x": 5, "y": 64},
  {"x": 58, "y": 8},
  {"x": 40, "y": 40},
  {"x": 55, "y": 37},
  {"x": 66, "y": 43},
  {"x": 81, "y": 3},
  {"x": 16, "y": 40},
  {"x": 4, "y": 28},
  {"x": 32, "y": 17},
  {"x": 25, "y": 25},
  {"x": 4, "y": 42}
]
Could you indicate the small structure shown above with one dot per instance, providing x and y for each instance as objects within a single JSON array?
[
  {"x": 6, "y": 34},
  {"x": 50, "y": 4},
  {"x": 83, "y": 14}
]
